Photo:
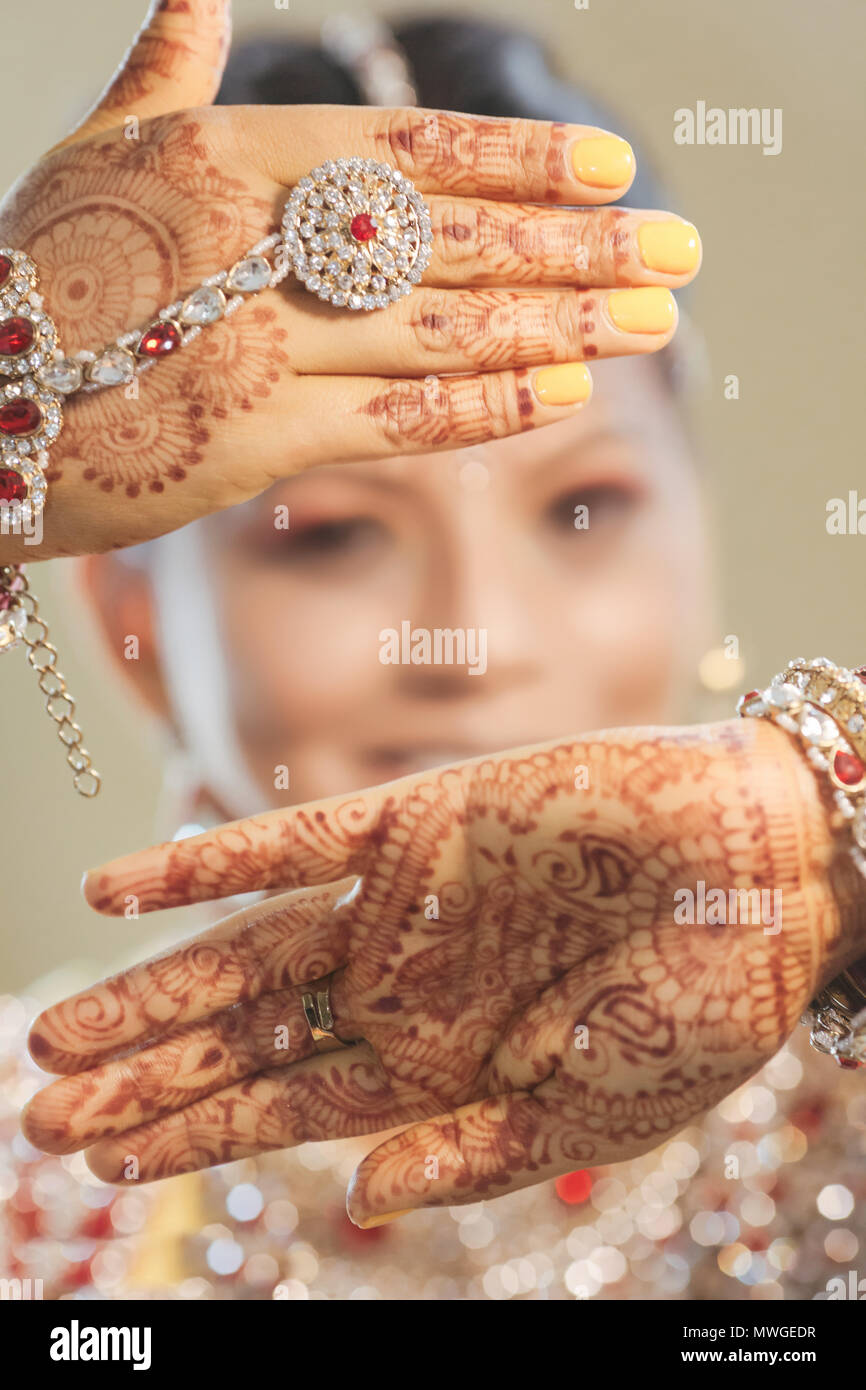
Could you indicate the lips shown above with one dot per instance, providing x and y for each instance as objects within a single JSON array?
[{"x": 400, "y": 762}]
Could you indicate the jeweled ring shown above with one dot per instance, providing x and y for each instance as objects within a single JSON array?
[{"x": 357, "y": 233}]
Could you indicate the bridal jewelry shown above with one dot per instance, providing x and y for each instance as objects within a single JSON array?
[
  {"x": 355, "y": 232},
  {"x": 358, "y": 233},
  {"x": 824, "y": 706},
  {"x": 173, "y": 327},
  {"x": 20, "y": 623},
  {"x": 316, "y": 1004},
  {"x": 31, "y": 418}
]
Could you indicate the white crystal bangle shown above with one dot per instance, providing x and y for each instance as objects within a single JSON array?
[{"x": 824, "y": 707}]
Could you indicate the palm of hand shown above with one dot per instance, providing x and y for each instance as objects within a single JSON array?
[
  {"x": 509, "y": 954},
  {"x": 558, "y": 977}
]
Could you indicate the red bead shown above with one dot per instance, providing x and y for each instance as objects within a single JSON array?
[
  {"x": 5, "y": 270},
  {"x": 573, "y": 1188},
  {"x": 160, "y": 339},
  {"x": 12, "y": 486},
  {"x": 20, "y": 417},
  {"x": 362, "y": 227},
  {"x": 17, "y": 335},
  {"x": 849, "y": 770}
]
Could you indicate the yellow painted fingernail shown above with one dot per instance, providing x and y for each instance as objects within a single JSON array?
[
  {"x": 384, "y": 1218},
  {"x": 674, "y": 248},
  {"x": 603, "y": 161},
  {"x": 569, "y": 383},
  {"x": 650, "y": 310}
]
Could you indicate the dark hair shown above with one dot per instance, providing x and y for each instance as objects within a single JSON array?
[{"x": 457, "y": 65}]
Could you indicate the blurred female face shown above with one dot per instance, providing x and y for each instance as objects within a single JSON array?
[{"x": 570, "y": 557}]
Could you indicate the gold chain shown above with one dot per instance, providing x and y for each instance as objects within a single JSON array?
[{"x": 43, "y": 658}]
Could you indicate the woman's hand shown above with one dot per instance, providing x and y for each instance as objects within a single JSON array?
[
  {"x": 507, "y": 938},
  {"x": 150, "y": 197}
]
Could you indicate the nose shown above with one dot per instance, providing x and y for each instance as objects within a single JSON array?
[{"x": 478, "y": 587}]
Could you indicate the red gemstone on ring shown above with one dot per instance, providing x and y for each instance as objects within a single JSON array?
[
  {"x": 160, "y": 339},
  {"x": 20, "y": 417},
  {"x": 17, "y": 335},
  {"x": 849, "y": 769},
  {"x": 362, "y": 227},
  {"x": 13, "y": 488},
  {"x": 5, "y": 270}
]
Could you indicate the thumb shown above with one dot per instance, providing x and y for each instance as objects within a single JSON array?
[
  {"x": 485, "y": 1149},
  {"x": 176, "y": 61}
]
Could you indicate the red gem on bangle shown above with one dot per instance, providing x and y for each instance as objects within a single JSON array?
[
  {"x": 848, "y": 768},
  {"x": 20, "y": 417},
  {"x": 160, "y": 339},
  {"x": 5, "y": 270},
  {"x": 362, "y": 227},
  {"x": 13, "y": 488},
  {"x": 17, "y": 335}
]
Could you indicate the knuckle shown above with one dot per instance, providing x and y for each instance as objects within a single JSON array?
[
  {"x": 530, "y": 147},
  {"x": 493, "y": 403},
  {"x": 405, "y": 132},
  {"x": 402, "y": 409},
  {"x": 431, "y": 321},
  {"x": 241, "y": 1038},
  {"x": 457, "y": 233},
  {"x": 568, "y": 321},
  {"x": 481, "y": 408}
]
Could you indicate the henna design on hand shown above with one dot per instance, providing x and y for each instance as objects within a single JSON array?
[
  {"x": 117, "y": 235},
  {"x": 555, "y": 909}
]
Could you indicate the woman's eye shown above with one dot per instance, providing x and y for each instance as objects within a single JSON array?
[
  {"x": 585, "y": 511},
  {"x": 330, "y": 540}
]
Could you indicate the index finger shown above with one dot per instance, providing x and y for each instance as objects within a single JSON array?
[
  {"x": 515, "y": 159},
  {"x": 299, "y": 846}
]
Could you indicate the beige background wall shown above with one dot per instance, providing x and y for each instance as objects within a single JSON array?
[{"x": 780, "y": 301}]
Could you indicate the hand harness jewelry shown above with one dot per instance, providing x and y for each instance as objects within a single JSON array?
[{"x": 355, "y": 233}]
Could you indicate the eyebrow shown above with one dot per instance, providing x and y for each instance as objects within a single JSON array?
[
  {"x": 253, "y": 507},
  {"x": 360, "y": 473},
  {"x": 604, "y": 434}
]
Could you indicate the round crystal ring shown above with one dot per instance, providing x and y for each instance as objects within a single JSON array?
[{"x": 357, "y": 233}]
